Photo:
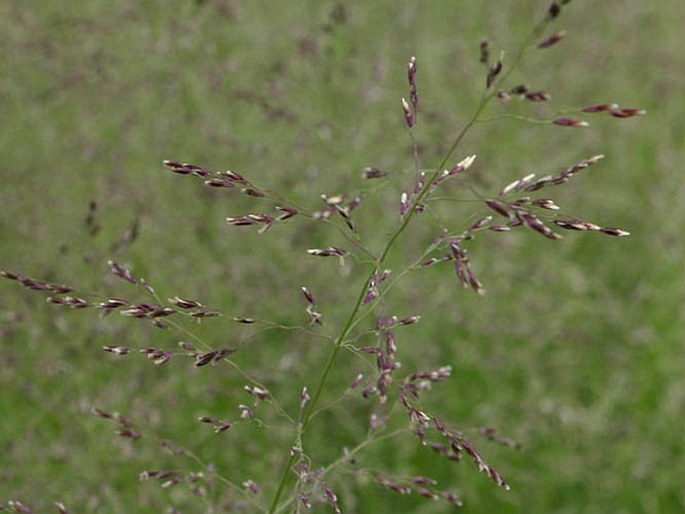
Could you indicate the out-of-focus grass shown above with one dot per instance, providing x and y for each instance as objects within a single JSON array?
[{"x": 575, "y": 351}]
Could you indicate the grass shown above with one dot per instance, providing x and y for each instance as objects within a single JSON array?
[{"x": 574, "y": 352}]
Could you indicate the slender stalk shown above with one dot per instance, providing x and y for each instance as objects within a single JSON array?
[
  {"x": 429, "y": 182},
  {"x": 355, "y": 311},
  {"x": 317, "y": 394},
  {"x": 352, "y": 318},
  {"x": 351, "y": 453}
]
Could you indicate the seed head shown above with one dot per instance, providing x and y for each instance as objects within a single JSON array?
[
  {"x": 553, "y": 39},
  {"x": 600, "y": 108},
  {"x": 327, "y": 252},
  {"x": 613, "y": 231},
  {"x": 503, "y": 96},
  {"x": 494, "y": 71},
  {"x": 304, "y": 397},
  {"x": 186, "y": 346},
  {"x": 223, "y": 426},
  {"x": 554, "y": 10},
  {"x": 420, "y": 182},
  {"x": 331, "y": 498},
  {"x": 252, "y": 191},
  {"x": 576, "y": 224},
  {"x": 121, "y": 272},
  {"x": 411, "y": 71},
  {"x": 404, "y": 203},
  {"x": 357, "y": 380},
  {"x": 427, "y": 493},
  {"x": 19, "y": 507},
  {"x": 521, "y": 89},
  {"x": 308, "y": 295},
  {"x": 545, "y": 203},
  {"x": 570, "y": 122},
  {"x": 371, "y": 172},
  {"x": 393, "y": 486},
  {"x": 184, "y": 303},
  {"x": 232, "y": 175},
  {"x": 452, "y": 498},
  {"x": 627, "y": 113},
  {"x": 258, "y": 392},
  {"x": 118, "y": 350},
  {"x": 410, "y": 320},
  {"x": 408, "y": 114},
  {"x": 245, "y": 412},
  {"x": 482, "y": 222},
  {"x": 517, "y": 184},
  {"x": 484, "y": 51},
  {"x": 251, "y": 486},
  {"x": 128, "y": 433},
  {"x": 499, "y": 208},
  {"x": 287, "y": 212},
  {"x": 205, "y": 358},
  {"x": 219, "y": 182},
  {"x": 463, "y": 165},
  {"x": 184, "y": 168},
  {"x": 537, "y": 96}
]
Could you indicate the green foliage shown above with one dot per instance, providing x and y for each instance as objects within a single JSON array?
[{"x": 574, "y": 352}]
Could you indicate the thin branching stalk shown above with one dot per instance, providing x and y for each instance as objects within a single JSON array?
[{"x": 354, "y": 317}]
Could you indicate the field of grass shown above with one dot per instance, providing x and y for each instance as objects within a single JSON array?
[{"x": 576, "y": 351}]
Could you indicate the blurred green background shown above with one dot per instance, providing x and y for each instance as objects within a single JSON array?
[{"x": 576, "y": 351}]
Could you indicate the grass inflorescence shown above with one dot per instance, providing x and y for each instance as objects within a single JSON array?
[{"x": 390, "y": 393}]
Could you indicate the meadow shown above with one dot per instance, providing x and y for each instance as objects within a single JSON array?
[{"x": 576, "y": 351}]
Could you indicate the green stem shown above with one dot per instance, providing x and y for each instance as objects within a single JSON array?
[
  {"x": 352, "y": 318},
  {"x": 351, "y": 453},
  {"x": 353, "y": 314},
  {"x": 322, "y": 382}
]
